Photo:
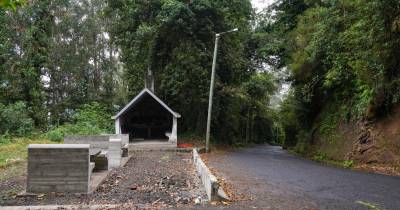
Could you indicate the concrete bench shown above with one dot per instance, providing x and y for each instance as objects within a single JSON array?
[
  {"x": 124, "y": 142},
  {"x": 111, "y": 146},
  {"x": 101, "y": 161},
  {"x": 96, "y": 142},
  {"x": 58, "y": 168}
]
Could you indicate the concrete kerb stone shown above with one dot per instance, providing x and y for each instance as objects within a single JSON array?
[
  {"x": 210, "y": 182},
  {"x": 79, "y": 207}
]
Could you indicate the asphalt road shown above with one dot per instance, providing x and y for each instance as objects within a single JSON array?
[{"x": 275, "y": 179}]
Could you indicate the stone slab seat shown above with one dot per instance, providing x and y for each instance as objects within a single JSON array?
[
  {"x": 125, "y": 150},
  {"x": 96, "y": 142},
  {"x": 58, "y": 168},
  {"x": 168, "y": 134},
  {"x": 112, "y": 147},
  {"x": 124, "y": 142},
  {"x": 101, "y": 161}
]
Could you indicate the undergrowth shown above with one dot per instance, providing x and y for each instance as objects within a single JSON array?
[
  {"x": 15, "y": 150},
  {"x": 325, "y": 159}
]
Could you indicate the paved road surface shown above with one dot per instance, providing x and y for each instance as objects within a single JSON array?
[{"x": 278, "y": 180}]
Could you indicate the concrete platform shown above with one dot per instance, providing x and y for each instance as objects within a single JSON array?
[
  {"x": 96, "y": 179},
  {"x": 152, "y": 145},
  {"x": 98, "y": 176}
]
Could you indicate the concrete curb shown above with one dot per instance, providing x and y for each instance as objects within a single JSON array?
[
  {"x": 78, "y": 207},
  {"x": 210, "y": 182}
]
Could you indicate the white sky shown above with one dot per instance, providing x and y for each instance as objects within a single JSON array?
[
  {"x": 284, "y": 87},
  {"x": 261, "y": 4}
]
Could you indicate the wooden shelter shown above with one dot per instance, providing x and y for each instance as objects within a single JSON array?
[{"x": 147, "y": 117}]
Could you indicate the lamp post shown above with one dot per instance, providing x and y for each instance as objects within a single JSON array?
[{"x": 210, "y": 99}]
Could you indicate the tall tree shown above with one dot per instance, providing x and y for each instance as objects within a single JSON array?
[{"x": 176, "y": 40}]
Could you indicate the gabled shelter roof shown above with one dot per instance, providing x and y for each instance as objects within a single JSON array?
[{"x": 136, "y": 99}]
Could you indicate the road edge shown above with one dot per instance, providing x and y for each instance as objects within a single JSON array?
[{"x": 210, "y": 182}]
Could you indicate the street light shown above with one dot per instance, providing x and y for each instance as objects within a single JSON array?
[{"x": 210, "y": 99}]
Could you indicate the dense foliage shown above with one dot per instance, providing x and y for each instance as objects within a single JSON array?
[
  {"x": 55, "y": 56},
  {"x": 175, "y": 39},
  {"x": 343, "y": 61},
  {"x": 15, "y": 120},
  {"x": 58, "y": 55},
  {"x": 91, "y": 118}
]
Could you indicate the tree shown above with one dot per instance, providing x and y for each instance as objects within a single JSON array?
[
  {"x": 56, "y": 56},
  {"x": 341, "y": 57},
  {"x": 175, "y": 39}
]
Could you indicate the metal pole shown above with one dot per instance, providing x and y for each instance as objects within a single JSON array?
[{"x": 211, "y": 93}]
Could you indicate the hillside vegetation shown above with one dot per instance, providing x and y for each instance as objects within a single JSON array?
[{"x": 343, "y": 63}]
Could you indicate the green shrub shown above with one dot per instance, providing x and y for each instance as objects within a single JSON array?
[
  {"x": 348, "y": 163},
  {"x": 54, "y": 135},
  {"x": 303, "y": 138},
  {"x": 57, "y": 134},
  {"x": 90, "y": 119},
  {"x": 5, "y": 138},
  {"x": 94, "y": 116},
  {"x": 15, "y": 120},
  {"x": 321, "y": 157}
]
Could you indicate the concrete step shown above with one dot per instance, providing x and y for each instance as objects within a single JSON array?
[{"x": 151, "y": 145}]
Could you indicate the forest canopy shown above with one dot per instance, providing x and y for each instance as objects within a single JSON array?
[
  {"x": 59, "y": 57},
  {"x": 342, "y": 58}
]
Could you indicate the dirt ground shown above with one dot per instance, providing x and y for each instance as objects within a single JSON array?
[{"x": 152, "y": 179}]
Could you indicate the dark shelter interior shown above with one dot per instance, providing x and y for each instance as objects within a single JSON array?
[{"x": 146, "y": 119}]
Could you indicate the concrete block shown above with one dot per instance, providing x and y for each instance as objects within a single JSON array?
[
  {"x": 116, "y": 146},
  {"x": 125, "y": 151},
  {"x": 95, "y": 141},
  {"x": 114, "y": 153},
  {"x": 124, "y": 137},
  {"x": 58, "y": 168},
  {"x": 101, "y": 163}
]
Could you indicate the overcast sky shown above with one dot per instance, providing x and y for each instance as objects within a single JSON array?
[{"x": 261, "y": 4}]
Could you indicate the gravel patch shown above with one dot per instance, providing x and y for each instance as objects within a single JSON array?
[{"x": 154, "y": 179}]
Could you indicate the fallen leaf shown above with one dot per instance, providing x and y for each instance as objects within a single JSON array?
[{"x": 225, "y": 203}]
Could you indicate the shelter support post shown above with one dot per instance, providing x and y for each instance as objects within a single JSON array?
[
  {"x": 117, "y": 126},
  {"x": 174, "y": 136}
]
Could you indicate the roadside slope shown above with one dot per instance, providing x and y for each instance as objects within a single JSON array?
[{"x": 373, "y": 146}]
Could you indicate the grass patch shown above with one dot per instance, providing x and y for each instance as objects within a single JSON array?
[
  {"x": 15, "y": 151},
  {"x": 369, "y": 205},
  {"x": 13, "y": 171},
  {"x": 325, "y": 159}
]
